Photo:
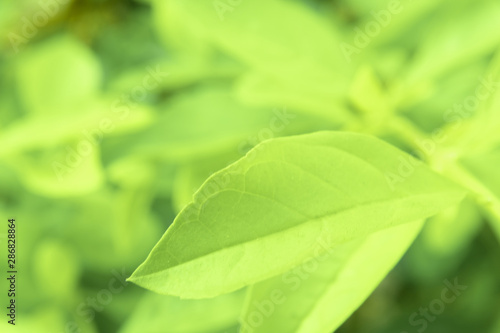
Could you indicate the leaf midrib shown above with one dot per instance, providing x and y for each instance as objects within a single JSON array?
[{"x": 373, "y": 203}]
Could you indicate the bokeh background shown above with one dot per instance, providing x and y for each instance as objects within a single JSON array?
[{"x": 113, "y": 112}]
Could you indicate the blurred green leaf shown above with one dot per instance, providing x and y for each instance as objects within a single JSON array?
[
  {"x": 90, "y": 122},
  {"x": 480, "y": 174},
  {"x": 46, "y": 76},
  {"x": 319, "y": 295},
  {"x": 284, "y": 54},
  {"x": 203, "y": 122},
  {"x": 56, "y": 269},
  {"x": 456, "y": 38},
  {"x": 159, "y": 313}
]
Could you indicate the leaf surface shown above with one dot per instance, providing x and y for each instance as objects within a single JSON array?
[
  {"x": 159, "y": 313},
  {"x": 263, "y": 215},
  {"x": 319, "y": 295}
]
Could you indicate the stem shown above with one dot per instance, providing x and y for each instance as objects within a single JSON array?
[
  {"x": 410, "y": 133},
  {"x": 484, "y": 196}
]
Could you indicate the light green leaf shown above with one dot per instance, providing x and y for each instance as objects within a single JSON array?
[
  {"x": 119, "y": 172},
  {"x": 57, "y": 269},
  {"x": 60, "y": 172},
  {"x": 264, "y": 91},
  {"x": 126, "y": 229},
  {"x": 455, "y": 38},
  {"x": 404, "y": 25},
  {"x": 446, "y": 239},
  {"x": 47, "y": 319},
  {"x": 368, "y": 95},
  {"x": 261, "y": 43},
  {"x": 452, "y": 230},
  {"x": 192, "y": 175},
  {"x": 262, "y": 215},
  {"x": 182, "y": 72},
  {"x": 433, "y": 108},
  {"x": 57, "y": 75},
  {"x": 479, "y": 131},
  {"x": 159, "y": 314},
  {"x": 300, "y": 58},
  {"x": 480, "y": 174},
  {"x": 319, "y": 295},
  {"x": 203, "y": 122},
  {"x": 90, "y": 122}
]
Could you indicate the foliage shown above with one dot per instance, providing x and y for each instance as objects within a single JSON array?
[{"x": 313, "y": 165}]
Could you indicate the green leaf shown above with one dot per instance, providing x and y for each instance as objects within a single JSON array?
[
  {"x": 480, "y": 174},
  {"x": 57, "y": 268},
  {"x": 479, "y": 131},
  {"x": 47, "y": 319},
  {"x": 496, "y": 329},
  {"x": 446, "y": 238},
  {"x": 262, "y": 215},
  {"x": 452, "y": 230},
  {"x": 368, "y": 95},
  {"x": 405, "y": 25},
  {"x": 59, "y": 172},
  {"x": 159, "y": 313},
  {"x": 126, "y": 229},
  {"x": 455, "y": 38},
  {"x": 262, "y": 43},
  {"x": 298, "y": 59},
  {"x": 432, "y": 108},
  {"x": 265, "y": 91},
  {"x": 46, "y": 76},
  {"x": 89, "y": 122},
  {"x": 192, "y": 175},
  {"x": 319, "y": 295},
  {"x": 201, "y": 123}
]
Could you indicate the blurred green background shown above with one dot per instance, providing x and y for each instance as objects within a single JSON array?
[{"x": 112, "y": 113}]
